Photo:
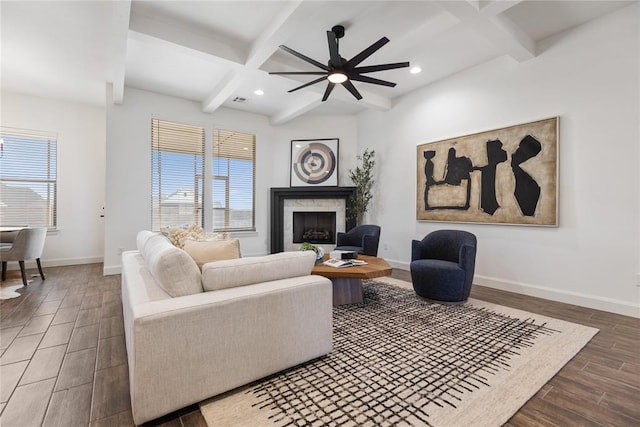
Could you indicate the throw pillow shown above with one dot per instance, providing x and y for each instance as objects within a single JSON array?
[
  {"x": 172, "y": 268},
  {"x": 206, "y": 251},
  {"x": 179, "y": 235}
]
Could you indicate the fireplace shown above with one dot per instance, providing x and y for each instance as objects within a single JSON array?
[
  {"x": 314, "y": 227},
  {"x": 307, "y": 199}
]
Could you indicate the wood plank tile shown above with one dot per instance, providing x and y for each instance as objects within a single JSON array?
[
  {"x": 21, "y": 349},
  {"x": 624, "y": 402},
  {"x": 111, "y": 327},
  {"x": 16, "y": 317},
  {"x": 112, "y": 309},
  {"x": 112, "y": 352},
  {"x": 111, "y": 392},
  {"x": 91, "y": 301},
  {"x": 70, "y": 407},
  {"x": 83, "y": 338},
  {"x": 614, "y": 374},
  {"x": 28, "y": 404},
  {"x": 48, "y": 307},
  {"x": 56, "y": 295},
  {"x": 122, "y": 419},
  {"x": 66, "y": 315},
  {"x": 57, "y": 335},
  {"x": 9, "y": 377},
  {"x": 36, "y": 325},
  {"x": 78, "y": 368},
  {"x": 7, "y": 335},
  {"x": 88, "y": 316},
  {"x": 594, "y": 413},
  {"x": 44, "y": 364},
  {"x": 548, "y": 413},
  {"x": 72, "y": 299}
]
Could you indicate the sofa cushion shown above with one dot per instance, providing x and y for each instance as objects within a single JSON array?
[
  {"x": 141, "y": 239},
  {"x": 172, "y": 268},
  {"x": 212, "y": 250},
  {"x": 246, "y": 271}
]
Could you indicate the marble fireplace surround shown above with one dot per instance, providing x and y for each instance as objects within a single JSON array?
[{"x": 286, "y": 200}]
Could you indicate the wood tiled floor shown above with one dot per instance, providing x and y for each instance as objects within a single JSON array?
[{"x": 63, "y": 359}]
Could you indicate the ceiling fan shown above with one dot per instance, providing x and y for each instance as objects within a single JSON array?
[{"x": 340, "y": 71}]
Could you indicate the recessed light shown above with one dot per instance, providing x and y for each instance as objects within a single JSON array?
[
  {"x": 259, "y": 92},
  {"x": 415, "y": 70}
]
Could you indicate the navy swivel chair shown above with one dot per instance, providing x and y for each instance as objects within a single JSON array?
[
  {"x": 442, "y": 265},
  {"x": 363, "y": 239}
]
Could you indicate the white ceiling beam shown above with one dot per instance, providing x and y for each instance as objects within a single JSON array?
[
  {"x": 120, "y": 12},
  {"x": 495, "y": 27},
  {"x": 497, "y": 6},
  {"x": 280, "y": 29},
  {"x": 299, "y": 108},
  {"x": 184, "y": 37},
  {"x": 225, "y": 88}
]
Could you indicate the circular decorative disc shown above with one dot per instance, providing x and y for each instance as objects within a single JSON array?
[{"x": 315, "y": 163}]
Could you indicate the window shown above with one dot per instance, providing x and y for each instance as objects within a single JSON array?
[
  {"x": 234, "y": 160},
  {"x": 177, "y": 155},
  {"x": 28, "y": 178}
]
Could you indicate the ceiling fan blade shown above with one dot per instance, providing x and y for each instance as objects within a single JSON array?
[
  {"x": 368, "y": 79},
  {"x": 381, "y": 67},
  {"x": 327, "y": 92},
  {"x": 308, "y": 84},
  {"x": 312, "y": 73},
  {"x": 334, "y": 56},
  {"x": 367, "y": 52},
  {"x": 304, "y": 58},
  {"x": 351, "y": 88}
]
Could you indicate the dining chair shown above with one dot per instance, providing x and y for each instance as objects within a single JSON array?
[{"x": 27, "y": 245}]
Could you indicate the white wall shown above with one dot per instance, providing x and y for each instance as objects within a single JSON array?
[
  {"x": 81, "y": 160},
  {"x": 128, "y": 160},
  {"x": 590, "y": 79}
]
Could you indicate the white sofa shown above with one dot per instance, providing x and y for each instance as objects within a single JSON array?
[{"x": 260, "y": 316}]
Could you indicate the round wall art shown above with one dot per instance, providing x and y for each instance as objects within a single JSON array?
[{"x": 314, "y": 162}]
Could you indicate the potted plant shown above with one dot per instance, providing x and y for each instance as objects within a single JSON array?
[
  {"x": 319, "y": 250},
  {"x": 362, "y": 178}
]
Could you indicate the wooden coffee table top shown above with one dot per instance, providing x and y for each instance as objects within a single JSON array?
[{"x": 375, "y": 267}]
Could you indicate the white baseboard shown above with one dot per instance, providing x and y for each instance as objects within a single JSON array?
[
  {"x": 114, "y": 269},
  {"x": 568, "y": 297},
  {"x": 60, "y": 262}
]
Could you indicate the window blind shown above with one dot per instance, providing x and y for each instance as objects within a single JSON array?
[
  {"x": 234, "y": 170},
  {"x": 177, "y": 156},
  {"x": 28, "y": 178}
]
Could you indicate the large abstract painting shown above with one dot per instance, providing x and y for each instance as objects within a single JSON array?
[{"x": 502, "y": 176}]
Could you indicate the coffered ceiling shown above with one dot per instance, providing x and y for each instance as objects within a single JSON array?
[{"x": 218, "y": 53}]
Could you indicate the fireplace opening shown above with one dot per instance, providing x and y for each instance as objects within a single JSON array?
[{"x": 314, "y": 227}]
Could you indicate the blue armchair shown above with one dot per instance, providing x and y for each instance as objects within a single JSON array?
[
  {"x": 363, "y": 239},
  {"x": 442, "y": 265}
]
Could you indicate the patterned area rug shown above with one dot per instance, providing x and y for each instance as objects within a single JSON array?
[{"x": 400, "y": 360}]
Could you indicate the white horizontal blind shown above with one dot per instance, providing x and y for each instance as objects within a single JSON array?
[
  {"x": 177, "y": 156},
  {"x": 234, "y": 171},
  {"x": 28, "y": 178}
]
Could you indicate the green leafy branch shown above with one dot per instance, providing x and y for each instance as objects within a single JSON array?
[{"x": 362, "y": 178}]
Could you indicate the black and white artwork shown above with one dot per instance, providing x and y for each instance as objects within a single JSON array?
[{"x": 503, "y": 176}]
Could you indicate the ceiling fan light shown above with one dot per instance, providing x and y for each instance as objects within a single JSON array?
[
  {"x": 337, "y": 77},
  {"x": 415, "y": 70}
]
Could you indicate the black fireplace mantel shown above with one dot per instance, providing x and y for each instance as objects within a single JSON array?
[{"x": 279, "y": 195}]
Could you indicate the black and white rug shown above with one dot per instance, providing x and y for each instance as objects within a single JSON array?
[{"x": 400, "y": 360}]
